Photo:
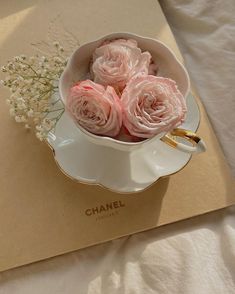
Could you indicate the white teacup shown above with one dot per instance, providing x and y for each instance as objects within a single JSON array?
[{"x": 168, "y": 66}]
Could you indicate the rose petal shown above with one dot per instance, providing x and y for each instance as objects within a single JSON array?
[
  {"x": 115, "y": 62},
  {"x": 95, "y": 108},
  {"x": 152, "y": 105}
]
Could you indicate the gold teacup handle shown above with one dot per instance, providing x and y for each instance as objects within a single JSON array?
[{"x": 198, "y": 144}]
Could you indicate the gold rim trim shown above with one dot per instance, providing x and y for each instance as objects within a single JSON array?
[
  {"x": 125, "y": 193},
  {"x": 190, "y": 136}
]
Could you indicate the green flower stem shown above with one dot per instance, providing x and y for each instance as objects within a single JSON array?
[
  {"x": 55, "y": 102},
  {"x": 45, "y": 93},
  {"x": 25, "y": 63},
  {"x": 56, "y": 120},
  {"x": 54, "y": 110}
]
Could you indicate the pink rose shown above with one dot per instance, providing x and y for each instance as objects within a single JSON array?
[
  {"x": 152, "y": 105},
  {"x": 95, "y": 108},
  {"x": 115, "y": 62}
]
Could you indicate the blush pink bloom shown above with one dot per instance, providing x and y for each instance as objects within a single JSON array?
[
  {"x": 152, "y": 105},
  {"x": 115, "y": 62},
  {"x": 95, "y": 108}
]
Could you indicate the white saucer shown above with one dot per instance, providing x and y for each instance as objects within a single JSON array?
[{"x": 118, "y": 171}]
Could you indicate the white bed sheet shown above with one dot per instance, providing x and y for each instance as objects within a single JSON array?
[{"x": 193, "y": 256}]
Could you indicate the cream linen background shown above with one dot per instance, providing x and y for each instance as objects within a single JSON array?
[{"x": 193, "y": 256}]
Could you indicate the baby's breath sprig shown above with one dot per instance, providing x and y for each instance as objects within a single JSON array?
[{"x": 33, "y": 82}]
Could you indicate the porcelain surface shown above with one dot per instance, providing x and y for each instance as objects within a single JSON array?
[{"x": 119, "y": 171}]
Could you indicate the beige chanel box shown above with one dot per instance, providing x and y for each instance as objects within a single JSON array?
[{"x": 42, "y": 212}]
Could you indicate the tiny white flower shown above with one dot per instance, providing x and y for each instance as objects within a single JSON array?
[
  {"x": 24, "y": 67},
  {"x": 23, "y": 118},
  {"x": 20, "y": 78},
  {"x": 8, "y": 102},
  {"x": 39, "y": 71},
  {"x": 26, "y": 82},
  {"x": 19, "y": 99},
  {"x": 16, "y": 58},
  {"x": 10, "y": 66},
  {"x": 27, "y": 126},
  {"x": 39, "y": 136},
  {"x": 39, "y": 87},
  {"x": 18, "y": 118},
  {"x": 32, "y": 60},
  {"x": 4, "y": 83},
  {"x": 47, "y": 124},
  {"x": 22, "y": 106},
  {"x": 44, "y": 59},
  {"x": 3, "y": 69},
  {"x": 15, "y": 83},
  {"x": 36, "y": 96},
  {"x": 44, "y": 72},
  {"x": 57, "y": 59},
  {"x": 22, "y": 56},
  {"x": 39, "y": 128},
  {"x": 13, "y": 90},
  {"x": 22, "y": 91},
  {"x": 28, "y": 91},
  {"x": 13, "y": 96},
  {"x": 30, "y": 113}
]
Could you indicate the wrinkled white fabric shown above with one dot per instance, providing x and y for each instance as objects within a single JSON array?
[
  {"x": 205, "y": 33},
  {"x": 192, "y": 256}
]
